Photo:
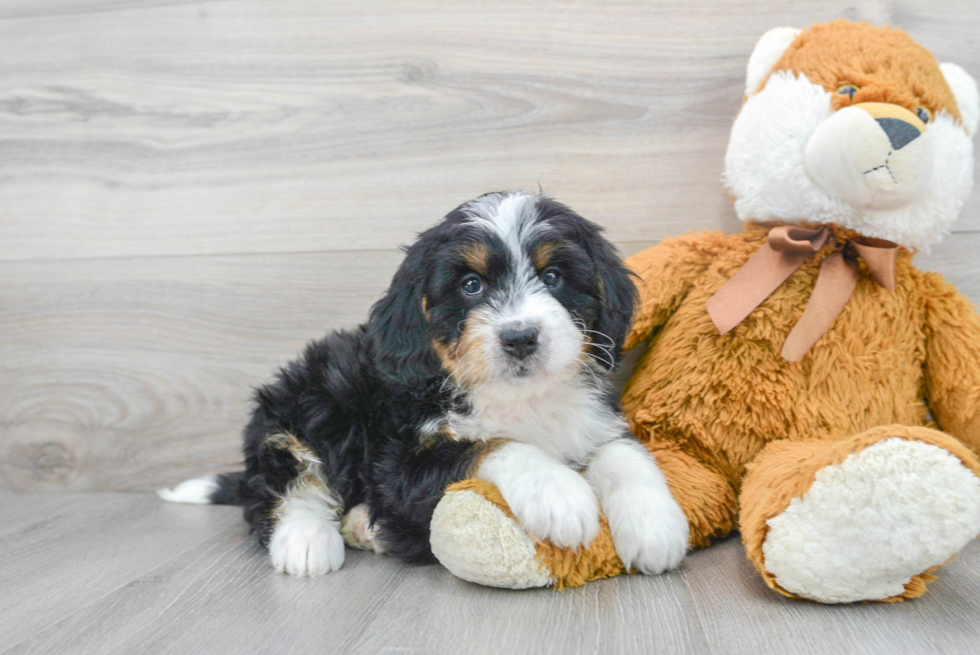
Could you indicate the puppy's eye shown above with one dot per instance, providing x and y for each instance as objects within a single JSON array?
[
  {"x": 471, "y": 285},
  {"x": 923, "y": 114},
  {"x": 848, "y": 90},
  {"x": 551, "y": 278}
]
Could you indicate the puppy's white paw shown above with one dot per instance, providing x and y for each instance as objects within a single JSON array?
[
  {"x": 550, "y": 500},
  {"x": 306, "y": 548},
  {"x": 649, "y": 530},
  {"x": 556, "y": 504}
]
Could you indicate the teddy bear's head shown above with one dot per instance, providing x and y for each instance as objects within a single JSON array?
[{"x": 855, "y": 125}]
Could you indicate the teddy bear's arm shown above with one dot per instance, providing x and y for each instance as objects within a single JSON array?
[
  {"x": 666, "y": 272},
  {"x": 953, "y": 361}
]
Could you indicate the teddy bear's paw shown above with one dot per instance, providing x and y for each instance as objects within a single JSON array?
[
  {"x": 866, "y": 526},
  {"x": 649, "y": 530},
  {"x": 478, "y": 542}
]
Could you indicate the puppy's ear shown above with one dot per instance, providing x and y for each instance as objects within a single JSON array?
[
  {"x": 398, "y": 325},
  {"x": 618, "y": 296}
]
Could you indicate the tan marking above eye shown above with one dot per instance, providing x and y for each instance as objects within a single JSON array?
[
  {"x": 543, "y": 254},
  {"x": 477, "y": 258}
]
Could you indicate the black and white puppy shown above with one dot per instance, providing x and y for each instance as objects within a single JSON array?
[{"x": 487, "y": 357}]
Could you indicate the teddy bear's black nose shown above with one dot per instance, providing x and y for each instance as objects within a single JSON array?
[
  {"x": 899, "y": 132},
  {"x": 519, "y": 342}
]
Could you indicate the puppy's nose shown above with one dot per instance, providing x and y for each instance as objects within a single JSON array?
[{"x": 519, "y": 342}]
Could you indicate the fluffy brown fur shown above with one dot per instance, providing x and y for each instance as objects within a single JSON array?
[
  {"x": 708, "y": 405},
  {"x": 842, "y": 52}
]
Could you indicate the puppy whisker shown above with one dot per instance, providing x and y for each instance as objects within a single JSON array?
[
  {"x": 608, "y": 363},
  {"x": 612, "y": 342}
]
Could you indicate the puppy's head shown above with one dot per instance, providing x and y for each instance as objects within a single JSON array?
[{"x": 510, "y": 288}]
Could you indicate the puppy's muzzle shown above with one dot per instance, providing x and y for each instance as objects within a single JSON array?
[{"x": 519, "y": 343}]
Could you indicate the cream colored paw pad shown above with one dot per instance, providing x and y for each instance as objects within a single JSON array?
[
  {"x": 867, "y": 525},
  {"x": 476, "y": 541}
]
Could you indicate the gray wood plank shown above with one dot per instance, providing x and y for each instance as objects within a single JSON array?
[
  {"x": 87, "y": 545},
  {"x": 626, "y": 614},
  {"x": 741, "y": 615},
  {"x": 130, "y": 374},
  {"x": 297, "y": 126},
  {"x": 146, "y": 577},
  {"x": 19, "y": 9},
  {"x": 224, "y": 597}
]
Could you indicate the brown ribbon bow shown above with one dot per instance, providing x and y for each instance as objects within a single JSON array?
[{"x": 788, "y": 247}]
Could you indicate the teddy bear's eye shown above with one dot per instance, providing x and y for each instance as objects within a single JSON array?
[
  {"x": 848, "y": 90},
  {"x": 924, "y": 114}
]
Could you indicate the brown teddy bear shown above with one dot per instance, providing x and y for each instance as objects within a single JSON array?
[{"x": 803, "y": 381}]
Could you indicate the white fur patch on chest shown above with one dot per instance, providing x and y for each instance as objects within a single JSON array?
[{"x": 567, "y": 420}]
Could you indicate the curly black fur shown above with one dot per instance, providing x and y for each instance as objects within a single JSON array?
[{"x": 358, "y": 397}]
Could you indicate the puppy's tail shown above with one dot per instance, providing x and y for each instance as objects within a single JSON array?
[{"x": 219, "y": 489}]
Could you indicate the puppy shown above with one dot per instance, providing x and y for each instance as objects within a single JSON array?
[{"x": 487, "y": 357}]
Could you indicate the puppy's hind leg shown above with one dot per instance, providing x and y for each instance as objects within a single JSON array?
[
  {"x": 304, "y": 519},
  {"x": 358, "y": 531}
]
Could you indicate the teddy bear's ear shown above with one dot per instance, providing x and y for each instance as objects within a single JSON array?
[
  {"x": 767, "y": 52},
  {"x": 967, "y": 99}
]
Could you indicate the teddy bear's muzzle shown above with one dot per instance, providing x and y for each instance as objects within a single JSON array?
[{"x": 871, "y": 155}]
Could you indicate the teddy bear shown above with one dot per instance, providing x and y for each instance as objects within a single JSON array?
[{"x": 801, "y": 381}]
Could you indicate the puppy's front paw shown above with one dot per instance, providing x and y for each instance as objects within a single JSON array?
[
  {"x": 306, "y": 548},
  {"x": 556, "y": 504},
  {"x": 649, "y": 531}
]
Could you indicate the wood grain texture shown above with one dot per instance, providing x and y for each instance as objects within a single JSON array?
[
  {"x": 63, "y": 552},
  {"x": 124, "y": 573},
  {"x": 189, "y": 191},
  {"x": 744, "y": 618},
  {"x": 127, "y": 374},
  {"x": 296, "y": 126}
]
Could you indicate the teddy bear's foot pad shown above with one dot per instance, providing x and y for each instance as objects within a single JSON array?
[
  {"x": 478, "y": 542},
  {"x": 868, "y": 525}
]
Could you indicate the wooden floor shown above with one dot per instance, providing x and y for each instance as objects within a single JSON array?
[{"x": 126, "y": 573}]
